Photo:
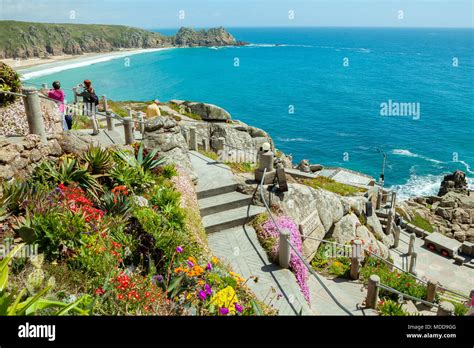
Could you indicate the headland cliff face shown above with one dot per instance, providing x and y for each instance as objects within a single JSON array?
[{"x": 23, "y": 40}]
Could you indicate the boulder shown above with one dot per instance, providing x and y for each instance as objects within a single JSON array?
[
  {"x": 164, "y": 134},
  {"x": 304, "y": 166},
  {"x": 208, "y": 112},
  {"x": 311, "y": 227},
  {"x": 454, "y": 182},
  {"x": 300, "y": 199},
  {"x": 345, "y": 229},
  {"x": 355, "y": 204},
  {"x": 315, "y": 167}
]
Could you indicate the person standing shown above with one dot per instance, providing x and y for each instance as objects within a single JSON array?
[
  {"x": 56, "y": 93},
  {"x": 91, "y": 101},
  {"x": 153, "y": 110}
]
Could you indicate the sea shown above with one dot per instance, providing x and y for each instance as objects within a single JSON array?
[{"x": 335, "y": 96}]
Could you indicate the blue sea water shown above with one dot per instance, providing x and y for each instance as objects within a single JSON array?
[{"x": 336, "y": 119}]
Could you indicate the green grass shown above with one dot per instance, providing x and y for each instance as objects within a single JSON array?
[
  {"x": 212, "y": 155},
  {"x": 241, "y": 167},
  {"x": 422, "y": 223},
  {"x": 333, "y": 186},
  {"x": 176, "y": 108}
]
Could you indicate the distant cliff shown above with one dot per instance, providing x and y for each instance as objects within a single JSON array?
[{"x": 26, "y": 40}]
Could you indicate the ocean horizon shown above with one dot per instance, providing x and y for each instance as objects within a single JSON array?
[{"x": 332, "y": 95}]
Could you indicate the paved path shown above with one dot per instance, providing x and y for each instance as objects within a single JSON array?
[
  {"x": 240, "y": 248},
  {"x": 433, "y": 265}
]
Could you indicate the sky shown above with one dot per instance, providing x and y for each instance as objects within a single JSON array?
[{"x": 155, "y": 14}]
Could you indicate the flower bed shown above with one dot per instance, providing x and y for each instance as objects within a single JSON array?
[
  {"x": 121, "y": 233},
  {"x": 269, "y": 237}
]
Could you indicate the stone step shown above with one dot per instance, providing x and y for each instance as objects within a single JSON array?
[
  {"x": 226, "y": 201},
  {"x": 215, "y": 191},
  {"x": 230, "y": 218}
]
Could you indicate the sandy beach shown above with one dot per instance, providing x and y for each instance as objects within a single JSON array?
[{"x": 22, "y": 64}]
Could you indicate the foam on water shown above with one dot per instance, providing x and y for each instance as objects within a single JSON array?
[
  {"x": 56, "y": 67},
  {"x": 408, "y": 153}
]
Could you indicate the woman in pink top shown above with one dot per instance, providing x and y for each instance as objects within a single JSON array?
[{"x": 58, "y": 94}]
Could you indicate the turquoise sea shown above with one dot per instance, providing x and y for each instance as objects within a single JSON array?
[{"x": 293, "y": 83}]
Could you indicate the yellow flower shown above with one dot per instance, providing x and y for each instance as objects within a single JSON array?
[
  {"x": 214, "y": 260},
  {"x": 225, "y": 298}
]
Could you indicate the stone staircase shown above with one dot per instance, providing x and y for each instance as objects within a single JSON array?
[{"x": 222, "y": 207}]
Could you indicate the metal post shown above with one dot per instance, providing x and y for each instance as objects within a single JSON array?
[
  {"x": 141, "y": 125},
  {"x": 431, "y": 290},
  {"x": 34, "y": 113},
  {"x": 193, "y": 145},
  {"x": 74, "y": 91},
  {"x": 445, "y": 309},
  {"x": 284, "y": 249},
  {"x": 355, "y": 259},
  {"x": 372, "y": 291},
  {"x": 110, "y": 121},
  {"x": 104, "y": 103},
  {"x": 128, "y": 130},
  {"x": 412, "y": 268},
  {"x": 411, "y": 245}
]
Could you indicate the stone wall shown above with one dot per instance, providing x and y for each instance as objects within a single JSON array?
[
  {"x": 20, "y": 156},
  {"x": 13, "y": 119}
]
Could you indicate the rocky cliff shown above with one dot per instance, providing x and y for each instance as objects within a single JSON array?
[{"x": 26, "y": 40}]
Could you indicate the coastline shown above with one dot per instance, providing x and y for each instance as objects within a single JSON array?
[{"x": 38, "y": 64}]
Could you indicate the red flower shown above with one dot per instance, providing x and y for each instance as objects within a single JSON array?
[{"x": 100, "y": 291}]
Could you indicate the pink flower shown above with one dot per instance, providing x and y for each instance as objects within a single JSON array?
[
  {"x": 179, "y": 250},
  {"x": 224, "y": 311}
]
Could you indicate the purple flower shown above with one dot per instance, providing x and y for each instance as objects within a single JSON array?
[
  {"x": 179, "y": 250},
  {"x": 208, "y": 266},
  {"x": 208, "y": 289},
  {"x": 224, "y": 311},
  {"x": 202, "y": 295},
  {"x": 157, "y": 278},
  {"x": 190, "y": 264},
  {"x": 238, "y": 307}
]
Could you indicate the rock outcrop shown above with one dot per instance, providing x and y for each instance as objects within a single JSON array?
[
  {"x": 208, "y": 112},
  {"x": 341, "y": 218},
  {"x": 451, "y": 213},
  {"x": 212, "y": 37},
  {"x": 164, "y": 134},
  {"x": 455, "y": 182}
]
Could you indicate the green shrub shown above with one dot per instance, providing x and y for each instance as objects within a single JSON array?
[
  {"x": 98, "y": 160},
  {"x": 403, "y": 282},
  {"x": 388, "y": 307},
  {"x": 333, "y": 186},
  {"x": 114, "y": 204},
  {"x": 9, "y": 81}
]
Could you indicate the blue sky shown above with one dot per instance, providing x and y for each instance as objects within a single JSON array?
[{"x": 245, "y": 13}]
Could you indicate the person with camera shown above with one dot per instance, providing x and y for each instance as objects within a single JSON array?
[{"x": 90, "y": 101}]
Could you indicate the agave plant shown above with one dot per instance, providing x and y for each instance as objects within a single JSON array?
[
  {"x": 14, "y": 303},
  {"x": 115, "y": 204},
  {"x": 147, "y": 162},
  {"x": 15, "y": 193},
  {"x": 68, "y": 170},
  {"x": 98, "y": 160}
]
